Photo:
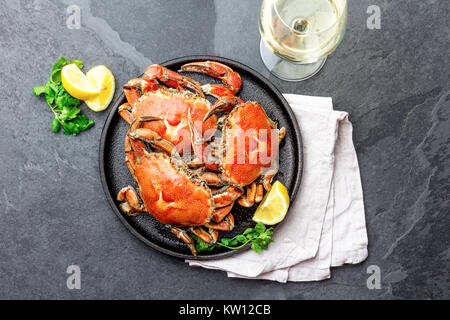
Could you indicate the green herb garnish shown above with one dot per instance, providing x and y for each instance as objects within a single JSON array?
[
  {"x": 260, "y": 237},
  {"x": 63, "y": 105}
]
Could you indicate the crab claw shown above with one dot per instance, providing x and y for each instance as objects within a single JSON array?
[
  {"x": 224, "y": 104},
  {"x": 173, "y": 79},
  {"x": 136, "y": 88},
  {"x": 217, "y": 70},
  {"x": 138, "y": 135},
  {"x": 217, "y": 91}
]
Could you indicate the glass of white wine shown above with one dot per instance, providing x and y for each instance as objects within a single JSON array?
[{"x": 298, "y": 35}]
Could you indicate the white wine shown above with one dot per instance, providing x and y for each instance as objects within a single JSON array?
[{"x": 303, "y": 31}]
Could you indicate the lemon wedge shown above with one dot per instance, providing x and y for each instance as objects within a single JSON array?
[
  {"x": 77, "y": 84},
  {"x": 274, "y": 206},
  {"x": 105, "y": 82}
]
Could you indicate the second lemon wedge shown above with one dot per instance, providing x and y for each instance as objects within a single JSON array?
[
  {"x": 77, "y": 84},
  {"x": 274, "y": 206},
  {"x": 105, "y": 82}
]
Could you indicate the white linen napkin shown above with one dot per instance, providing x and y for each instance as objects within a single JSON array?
[{"x": 325, "y": 226}]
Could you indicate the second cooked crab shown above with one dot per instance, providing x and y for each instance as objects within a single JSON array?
[{"x": 170, "y": 191}]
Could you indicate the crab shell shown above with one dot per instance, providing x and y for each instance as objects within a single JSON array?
[
  {"x": 250, "y": 119},
  {"x": 172, "y": 107},
  {"x": 171, "y": 195}
]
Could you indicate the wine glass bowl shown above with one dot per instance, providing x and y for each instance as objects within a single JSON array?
[{"x": 298, "y": 35}]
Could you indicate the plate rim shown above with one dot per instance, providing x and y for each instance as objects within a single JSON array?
[{"x": 113, "y": 112}]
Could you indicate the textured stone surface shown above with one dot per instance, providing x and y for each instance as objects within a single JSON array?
[{"x": 394, "y": 82}]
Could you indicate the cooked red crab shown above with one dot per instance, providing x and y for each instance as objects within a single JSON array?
[
  {"x": 247, "y": 153},
  {"x": 170, "y": 191}
]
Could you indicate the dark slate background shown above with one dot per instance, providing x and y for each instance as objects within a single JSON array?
[{"x": 394, "y": 82}]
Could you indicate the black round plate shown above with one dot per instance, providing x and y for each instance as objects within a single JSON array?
[{"x": 115, "y": 175}]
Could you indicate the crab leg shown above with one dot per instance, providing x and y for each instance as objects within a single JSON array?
[
  {"x": 202, "y": 150},
  {"x": 211, "y": 161},
  {"x": 249, "y": 199},
  {"x": 196, "y": 140},
  {"x": 267, "y": 178},
  {"x": 130, "y": 202},
  {"x": 173, "y": 79},
  {"x": 254, "y": 195},
  {"x": 134, "y": 90},
  {"x": 125, "y": 113},
  {"x": 281, "y": 134},
  {"x": 259, "y": 193},
  {"x": 227, "y": 195},
  {"x": 214, "y": 234},
  {"x": 221, "y": 213},
  {"x": 130, "y": 159},
  {"x": 212, "y": 179},
  {"x": 129, "y": 194},
  {"x": 183, "y": 236},
  {"x": 208, "y": 237},
  {"x": 226, "y": 224},
  {"x": 217, "y": 70}
]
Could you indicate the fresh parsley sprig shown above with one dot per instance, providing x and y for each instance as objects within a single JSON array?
[
  {"x": 64, "y": 107},
  {"x": 260, "y": 237}
]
